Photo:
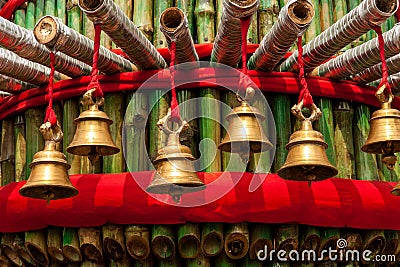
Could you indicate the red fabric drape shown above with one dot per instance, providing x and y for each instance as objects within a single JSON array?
[{"x": 117, "y": 198}]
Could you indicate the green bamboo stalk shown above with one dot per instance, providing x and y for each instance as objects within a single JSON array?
[
  {"x": 35, "y": 243},
  {"x": 187, "y": 6},
  {"x": 373, "y": 240},
  {"x": 7, "y": 152},
  {"x": 329, "y": 237},
  {"x": 340, "y": 8},
  {"x": 205, "y": 25},
  {"x": 143, "y": 17},
  {"x": 135, "y": 135},
  {"x": 326, "y": 14},
  {"x": 260, "y": 236},
  {"x": 159, "y": 6},
  {"x": 162, "y": 241},
  {"x": 237, "y": 240},
  {"x": 124, "y": 262},
  {"x": 71, "y": 248},
  {"x": 138, "y": 241},
  {"x": 287, "y": 237},
  {"x": 30, "y": 15},
  {"x": 267, "y": 15},
  {"x": 39, "y": 11},
  {"x": 365, "y": 163},
  {"x": 212, "y": 239},
  {"x": 50, "y": 7},
  {"x": 222, "y": 260},
  {"x": 114, "y": 107},
  {"x": 315, "y": 27},
  {"x": 252, "y": 34},
  {"x": 218, "y": 7},
  {"x": 189, "y": 240},
  {"x": 61, "y": 10},
  {"x": 88, "y": 29},
  {"x": 34, "y": 139},
  {"x": 19, "y": 17},
  {"x": 351, "y": 4},
  {"x": 200, "y": 261},
  {"x": 74, "y": 16},
  {"x": 54, "y": 244},
  {"x": 247, "y": 262},
  {"x": 71, "y": 111},
  {"x": 388, "y": 24},
  {"x": 19, "y": 246},
  {"x": 114, "y": 242},
  {"x": 343, "y": 117}
]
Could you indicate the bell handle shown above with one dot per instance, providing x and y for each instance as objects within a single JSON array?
[
  {"x": 162, "y": 124},
  {"x": 315, "y": 112},
  {"x": 88, "y": 99},
  {"x": 384, "y": 99},
  {"x": 51, "y": 134}
]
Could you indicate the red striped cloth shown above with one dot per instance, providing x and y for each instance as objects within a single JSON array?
[{"x": 117, "y": 198}]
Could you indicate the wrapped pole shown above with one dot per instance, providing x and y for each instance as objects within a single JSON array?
[
  {"x": 22, "y": 42},
  {"x": 347, "y": 29},
  {"x": 11, "y": 85},
  {"x": 375, "y": 72},
  {"x": 394, "y": 81},
  {"x": 120, "y": 29},
  {"x": 227, "y": 44},
  {"x": 51, "y": 32},
  {"x": 293, "y": 21},
  {"x": 361, "y": 57}
]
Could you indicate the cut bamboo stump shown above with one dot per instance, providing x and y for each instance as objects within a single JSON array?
[
  {"x": 260, "y": 236},
  {"x": 236, "y": 240},
  {"x": 7, "y": 247},
  {"x": 162, "y": 242},
  {"x": 287, "y": 237},
  {"x": 309, "y": 240},
  {"x": 36, "y": 245},
  {"x": 19, "y": 247},
  {"x": 90, "y": 244},
  {"x": 189, "y": 240},
  {"x": 200, "y": 261},
  {"x": 374, "y": 241},
  {"x": 20, "y": 148},
  {"x": 114, "y": 241},
  {"x": 212, "y": 239},
  {"x": 138, "y": 241},
  {"x": 54, "y": 244},
  {"x": 4, "y": 262},
  {"x": 71, "y": 248},
  {"x": 329, "y": 238},
  {"x": 7, "y": 152},
  {"x": 392, "y": 246}
]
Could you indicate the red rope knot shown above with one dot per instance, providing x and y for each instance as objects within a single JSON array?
[
  {"x": 50, "y": 115},
  {"x": 305, "y": 94},
  {"x": 94, "y": 82},
  {"x": 385, "y": 71},
  {"x": 243, "y": 80},
  {"x": 175, "y": 112}
]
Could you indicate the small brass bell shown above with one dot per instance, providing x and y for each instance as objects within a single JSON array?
[
  {"x": 49, "y": 177},
  {"x": 384, "y": 134},
  {"x": 245, "y": 134},
  {"x": 307, "y": 159},
  {"x": 175, "y": 174},
  {"x": 92, "y": 137}
]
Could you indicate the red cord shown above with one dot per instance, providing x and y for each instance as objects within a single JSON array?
[
  {"x": 244, "y": 82},
  {"x": 50, "y": 115},
  {"x": 385, "y": 72},
  {"x": 305, "y": 94},
  {"x": 94, "y": 83},
  {"x": 175, "y": 113}
]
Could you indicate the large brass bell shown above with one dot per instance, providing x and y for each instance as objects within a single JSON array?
[
  {"x": 307, "y": 159},
  {"x": 384, "y": 134},
  {"x": 49, "y": 177},
  {"x": 245, "y": 134},
  {"x": 175, "y": 173},
  {"x": 92, "y": 137}
]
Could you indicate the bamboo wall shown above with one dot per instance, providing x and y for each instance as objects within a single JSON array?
[{"x": 344, "y": 125}]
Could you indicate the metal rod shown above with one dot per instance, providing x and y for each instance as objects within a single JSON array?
[
  {"x": 361, "y": 57},
  {"x": 293, "y": 21},
  {"x": 375, "y": 72},
  {"x": 11, "y": 85},
  {"x": 227, "y": 44},
  {"x": 51, "y": 32},
  {"x": 123, "y": 33},
  {"x": 174, "y": 26},
  {"x": 347, "y": 29},
  {"x": 22, "y": 42}
]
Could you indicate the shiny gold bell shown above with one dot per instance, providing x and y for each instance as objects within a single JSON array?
[
  {"x": 175, "y": 173},
  {"x": 384, "y": 134},
  {"x": 92, "y": 137},
  {"x": 49, "y": 177},
  {"x": 307, "y": 159},
  {"x": 245, "y": 134}
]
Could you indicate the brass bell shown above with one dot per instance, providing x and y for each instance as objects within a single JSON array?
[
  {"x": 307, "y": 159},
  {"x": 175, "y": 173},
  {"x": 384, "y": 134},
  {"x": 92, "y": 137},
  {"x": 49, "y": 177},
  {"x": 245, "y": 134}
]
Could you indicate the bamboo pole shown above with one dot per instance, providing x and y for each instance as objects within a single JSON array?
[
  {"x": 34, "y": 140},
  {"x": 287, "y": 237},
  {"x": 212, "y": 239},
  {"x": 309, "y": 239},
  {"x": 224, "y": 261},
  {"x": 71, "y": 111},
  {"x": 205, "y": 25},
  {"x": 162, "y": 242},
  {"x": 88, "y": 30},
  {"x": 260, "y": 236},
  {"x": 374, "y": 241},
  {"x": 49, "y": 8},
  {"x": 30, "y": 15},
  {"x": 252, "y": 34},
  {"x": 7, "y": 152},
  {"x": 236, "y": 240},
  {"x": 219, "y": 6},
  {"x": 392, "y": 246},
  {"x": 20, "y": 148},
  {"x": 247, "y": 262},
  {"x": 267, "y": 15},
  {"x": 189, "y": 240},
  {"x": 138, "y": 241},
  {"x": 114, "y": 106},
  {"x": 187, "y": 6},
  {"x": 54, "y": 244},
  {"x": 200, "y": 261},
  {"x": 90, "y": 244},
  {"x": 39, "y": 11},
  {"x": 19, "y": 16},
  {"x": 61, "y": 10},
  {"x": 114, "y": 241},
  {"x": 159, "y": 7},
  {"x": 143, "y": 17},
  {"x": 19, "y": 247},
  {"x": 329, "y": 238},
  {"x": 7, "y": 249},
  {"x": 71, "y": 248},
  {"x": 35, "y": 243}
]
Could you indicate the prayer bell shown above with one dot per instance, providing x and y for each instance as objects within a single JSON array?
[
  {"x": 92, "y": 137},
  {"x": 245, "y": 134},
  {"x": 49, "y": 177},
  {"x": 307, "y": 159},
  {"x": 384, "y": 134},
  {"x": 175, "y": 173}
]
